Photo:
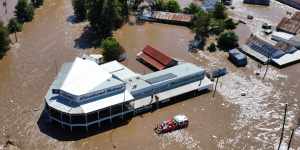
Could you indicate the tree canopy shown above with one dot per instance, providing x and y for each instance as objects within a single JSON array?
[
  {"x": 220, "y": 11},
  {"x": 172, "y": 6},
  {"x": 4, "y": 39},
  {"x": 37, "y": 3},
  {"x": 105, "y": 16},
  {"x": 14, "y": 26},
  {"x": 24, "y": 11},
  {"x": 200, "y": 24},
  {"x": 80, "y": 9},
  {"x": 192, "y": 9},
  {"x": 227, "y": 40},
  {"x": 111, "y": 49}
]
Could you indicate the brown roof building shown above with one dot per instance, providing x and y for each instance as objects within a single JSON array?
[
  {"x": 156, "y": 58},
  {"x": 290, "y": 25}
]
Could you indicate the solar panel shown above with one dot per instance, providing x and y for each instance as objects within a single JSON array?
[{"x": 161, "y": 78}]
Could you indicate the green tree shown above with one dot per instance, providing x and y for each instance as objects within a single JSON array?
[
  {"x": 220, "y": 11},
  {"x": 4, "y": 39},
  {"x": 37, "y": 3},
  {"x": 192, "y": 9},
  {"x": 216, "y": 26},
  {"x": 159, "y": 5},
  {"x": 80, "y": 9},
  {"x": 111, "y": 49},
  {"x": 228, "y": 40},
  {"x": 212, "y": 47},
  {"x": 14, "y": 26},
  {"x": 229, "y": 24},
  {"x": 172, "y": 6},
  {"x": 200, "y": 25},
  {"x": 105, "y": 16},
  {"x": 24, "y": 11}
]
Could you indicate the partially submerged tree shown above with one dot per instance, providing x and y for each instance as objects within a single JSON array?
[
  {"x": 112, "y": 50},
  {"x": 228, "y": 40},
  {"x": 80, "y": 9},
  {"x": 24, "y": 11},
  {"x": 4, "y": 39},
  {"x": 14, "y": 26},
  {"x": 216, "y": 26}
]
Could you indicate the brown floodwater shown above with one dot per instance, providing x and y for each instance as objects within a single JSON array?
[{"x": 222, "y": 122}]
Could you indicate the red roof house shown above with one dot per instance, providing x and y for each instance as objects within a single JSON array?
[{"x": 156, "y": 58}]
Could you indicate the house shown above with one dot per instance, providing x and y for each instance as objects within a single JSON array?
[
  {"x": 238, "y": 58},
  {"x": 258, "y": 2},
  {"x": 156, "y": 58}
]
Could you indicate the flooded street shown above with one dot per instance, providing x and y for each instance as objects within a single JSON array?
[{"x": 227, "y": 121}]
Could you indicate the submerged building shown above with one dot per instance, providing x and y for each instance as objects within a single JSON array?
[{"x": 85, "y": 93}]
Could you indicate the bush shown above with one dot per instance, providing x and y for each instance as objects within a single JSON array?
[
  {"x": 212, "y": 47},
  {"x": 14, "y": 26},
  {"x": 80, "y": 9},
  {"x": 4, "y": 40},
  {"x": 111, "y": 49},
  {"x": 24, "y": 11},
  {"x": 228, "y": 40}
]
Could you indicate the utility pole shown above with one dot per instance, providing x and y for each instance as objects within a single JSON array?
[
  {"x": 291, "y": 138},
  {"x": 267, "y": 67},
  {"x": 282, "y": 131},
  {"x": 216, "y": 87}
]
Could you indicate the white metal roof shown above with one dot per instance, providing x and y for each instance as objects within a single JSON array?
[
  {"x": 282, "y": 35},
  {"x": 118, "y": 69},
  {"x": 106, "y": 102},
  {"x": 287, "y": 58},
  {"x": 84, "y": 76}
]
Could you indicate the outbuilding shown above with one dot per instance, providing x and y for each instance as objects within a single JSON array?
[{"x": 238, "y": 58}]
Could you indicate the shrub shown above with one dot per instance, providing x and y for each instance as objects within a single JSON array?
[
  {"x": 112, "y": 50},
  {"x": 227, "y": 40}
]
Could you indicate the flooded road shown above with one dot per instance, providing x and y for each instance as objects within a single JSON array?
[{"x": 227, "y": 121}]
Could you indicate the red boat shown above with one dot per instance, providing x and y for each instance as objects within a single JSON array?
[{"x": 177, "y": 122}]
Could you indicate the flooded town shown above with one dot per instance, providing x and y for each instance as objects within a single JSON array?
[{"x": 162, "y": 79}]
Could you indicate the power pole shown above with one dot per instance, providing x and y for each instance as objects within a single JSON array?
[
  {"x": 267, "y": 67},
  {"x": 216, "y": 87},
  {"x": 291, "y": 138},
  {"x": 282, "y": 131}
]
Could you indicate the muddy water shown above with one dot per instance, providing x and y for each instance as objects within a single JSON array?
[{"x": 216, "y": 123}]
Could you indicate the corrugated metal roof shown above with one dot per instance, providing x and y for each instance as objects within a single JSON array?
[
  {"x": 180, "y": 17},
  {"x": 156, "y": 58}
]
